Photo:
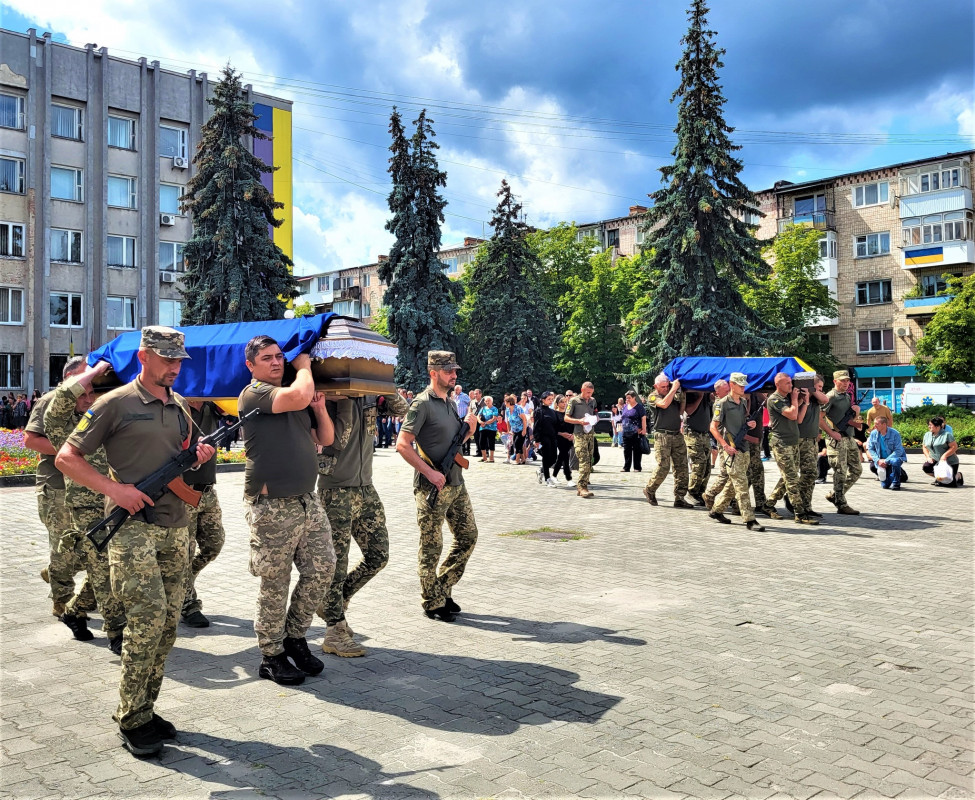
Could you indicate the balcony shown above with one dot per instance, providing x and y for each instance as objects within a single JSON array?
[
  {"x": 820, "y": 220},
  {"x": 942, "y": 254},
  {"x": 958, "y": 198},
  {"x": 924, "y": 306},
  {"x": 348, "y": 293}
]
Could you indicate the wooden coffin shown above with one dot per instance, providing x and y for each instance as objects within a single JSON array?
[{"x": 353, "y": 360}]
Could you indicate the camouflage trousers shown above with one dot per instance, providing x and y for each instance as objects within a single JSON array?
[
  {"x": 206, "y": 542},
  {"x": 453, "y": 505},
  {"x": 808, "y": 472},
  {"x": 720, "y": 475},
  {"x": 699, "y": 454},
  {"x": 148, "y": 565},
  {"x": 788, "y": 460},
  {"x": 354, "y": 512},
  {"x": 99, "y": 573},
  {"x": 756, "y": 474},
  {"x": 584, "y": 443},
  {"x": 736, "y": 468},
  {"x": 286, "y": 531},
  {"x": 63, "y": 563},
  {"x": 669, "y": 448},
  {"x": 844, "y": 459}
]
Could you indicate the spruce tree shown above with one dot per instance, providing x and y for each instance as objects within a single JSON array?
[
  {"x": 234, "y": 271},
  {"x": 420, "y": 302},
  {"x": 510, "y": 325},
  {"x": 702, "y": 249}
]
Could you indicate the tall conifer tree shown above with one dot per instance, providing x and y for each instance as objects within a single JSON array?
[
  {"x": 420, "y": 301},
  {"x": 234, "y": 270},
  {"x": 511, "y": 332},
  {"x": 703, "y": 250}
]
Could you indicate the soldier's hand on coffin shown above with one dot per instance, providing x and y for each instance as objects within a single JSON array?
[
  {"x": 302, "y": 361},
  {"x": 318, "y": 401}
]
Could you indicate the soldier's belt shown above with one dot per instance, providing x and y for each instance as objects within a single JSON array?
[{"x": 667, "y": 433}]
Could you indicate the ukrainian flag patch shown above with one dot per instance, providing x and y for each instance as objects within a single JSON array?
[{"x": 85, "y": 422}]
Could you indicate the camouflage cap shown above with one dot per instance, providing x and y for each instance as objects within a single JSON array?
[
  {"x": 167, "y": 342},
  {"x": 841, "y": 375},
  {"x": 442, "y": 359},
  {"x": 740, "y": 378}
]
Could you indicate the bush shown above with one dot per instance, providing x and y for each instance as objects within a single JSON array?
[{"x": 912, "y": 424}]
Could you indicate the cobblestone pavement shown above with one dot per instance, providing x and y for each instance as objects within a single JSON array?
[{"x": 662, "y": 655}]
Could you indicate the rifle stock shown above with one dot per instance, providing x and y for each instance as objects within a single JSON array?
[
  {"x": 451, "y": 457},
  {"x": 167, "y": 478}
]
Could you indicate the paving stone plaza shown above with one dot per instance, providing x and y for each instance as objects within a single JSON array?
[{"x": 654, "y": 654}]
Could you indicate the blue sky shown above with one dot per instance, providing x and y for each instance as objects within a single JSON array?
[{"x": 568, "y": 100}]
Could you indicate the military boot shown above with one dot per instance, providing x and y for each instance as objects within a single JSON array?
[
  {"x": 297, "y": 649},
  {"x": 78, "y": 626},
  {"x": 280, "y": 670},
  {"x": 340, "y": 643}
]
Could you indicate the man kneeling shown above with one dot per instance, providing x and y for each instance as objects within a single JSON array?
[{"x": 887, "y": 452}]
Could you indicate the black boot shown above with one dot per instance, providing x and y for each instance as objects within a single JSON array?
[
  {"x": 141, "y": 741},
  {"x": 297, "y": 649},
  {"x": 451, "y": 606},
  {"x": 280, "y": 670},
  {"x": 78, "y": 626}
]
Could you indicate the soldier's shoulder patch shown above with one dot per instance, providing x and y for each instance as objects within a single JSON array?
[
  {"x": 85, "y": 421},
  {"x": 653, "y": 397}
]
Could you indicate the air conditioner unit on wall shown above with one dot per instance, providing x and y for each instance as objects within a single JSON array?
[
  {"x": 902, "y": 331},
  {"x": 167, "y": 219},
  {"x": 180, "y": 163},
  {"x": 167, "y": 277}
]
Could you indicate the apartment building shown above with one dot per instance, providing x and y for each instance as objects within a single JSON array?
[
  {"x": 624, "y": 234},
  {"x": 888, "y": 237},
  {"x": 95, "y": 152}
]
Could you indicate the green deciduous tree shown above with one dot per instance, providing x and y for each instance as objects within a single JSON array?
[
  {"x": 594, "y": 345},
  {"x": 510, "y": 332},
  {"x": 304, "y": 309},
  {"x": 421, "y": 303},
  {"x": 946, "y": 352},
  {"x": 791, "y": 297},
  {"x": 561, "y": 257},
  {"x": 234, "y": 270},
  {"x": 704, "y": 251}
]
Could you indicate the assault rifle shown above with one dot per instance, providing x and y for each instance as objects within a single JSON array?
[
  {"x": 756, "y": 417},
  {"x": 451, "y": 457},
  {"x": 849, "y": 416},
  {"x": 167, "y": 478}
]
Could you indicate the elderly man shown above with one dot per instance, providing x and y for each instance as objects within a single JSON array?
[
  {"x": 878, "y": 410},
  {"x": 669, "y": 447},
  {"x": 887, "y": 451}
]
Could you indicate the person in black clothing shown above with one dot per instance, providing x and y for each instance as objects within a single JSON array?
[
  {"x": 633, "y": 420},
  {"x": 564, "y": 441},
  {"x": 545, "y": 427}
]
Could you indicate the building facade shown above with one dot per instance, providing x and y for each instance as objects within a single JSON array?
[
  {"x": 95, "y": 152},
  {"x": 889, "y": 235}
]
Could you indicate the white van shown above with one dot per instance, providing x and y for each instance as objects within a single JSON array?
[{"x": 939, "y": 394}]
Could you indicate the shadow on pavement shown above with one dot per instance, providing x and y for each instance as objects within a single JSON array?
[
  {"x": 529, "y": 630},
  {"x": 444, "y": 692},
  {"x": 254, "y": 768}
]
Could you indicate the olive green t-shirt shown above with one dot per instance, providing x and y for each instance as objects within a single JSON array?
[
  {"x": 280, "y": 451},
  {"x": 837, "y": 404},
  {"x": 207, "y": 420},
  {"x": 140, "y": 434},
  {"x": 578, "y": 408},
  {"x": 47, "y": 474},
  {"x": 785, "y": 430},
  {"x": 809, "y": 425},
  {"x": 731, "y": 417},
  {"x": 348, "y": 460},
  {"x": 700, "y": 420},
  {"x": 434, "y": 423},
  {"x": 666, "y": 419}
]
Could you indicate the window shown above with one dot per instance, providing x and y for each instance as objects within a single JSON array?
[
  {"x": 121, "y": 251},
  {"x": 347, "y": 282},
  {"x": 641, "y": 236},
  {"x": 366, "y": 309},
  {"x": 934, "y": 285},
  {"x": 121, "y": 132},
  {"x": 876, "y": 341},
  {"x": 65, "y": 310},
  {"x": 67, "y": 183},
  {"x": 810, "y": 204},
  {"x": 66, "y": 246},
  {"x": 11, "y": 371},
  {"x": 12, "y": 175},
  {"x": 613, "y": 238},
  {"x": 169, "y": 198},
  {"x": 870, "y": 293},
  {"x": 172, "y": 142},
  {"x": 11, "y": 239},
  {"x": 121, "y": 313},
  {"x": 66, "y": 122},
  {"x": 827, "y": 247},
  {"x": 952, "y": 226},
  {"x": 121, "y": 191},
  {"x": 366, "y": 279},
  {"x": 450, "y": 265},
  {"x": 871, "y": 194},
  {"x": 949, "y": 175},
  {"x": 323, "y": 283},
  {"x": 55, "y": 367},
  {"x": 11, "y": 306},
  {"x": 873, "y": 244},
  {"x": 170, "y": 312},
  {"x": 171, "y": 257},
  {"x": 12, "y": 112}
]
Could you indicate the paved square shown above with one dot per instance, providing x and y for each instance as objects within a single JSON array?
[{"x": 663, "y": 655}]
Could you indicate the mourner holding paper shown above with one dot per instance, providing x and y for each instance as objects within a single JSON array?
[
  {"x": 142, "y": 425},
  {"x": 287, "y": 522},
  {"x": 432, "y": 423}
]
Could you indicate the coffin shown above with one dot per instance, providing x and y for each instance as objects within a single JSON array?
[{"x": 353, "y": 360}]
